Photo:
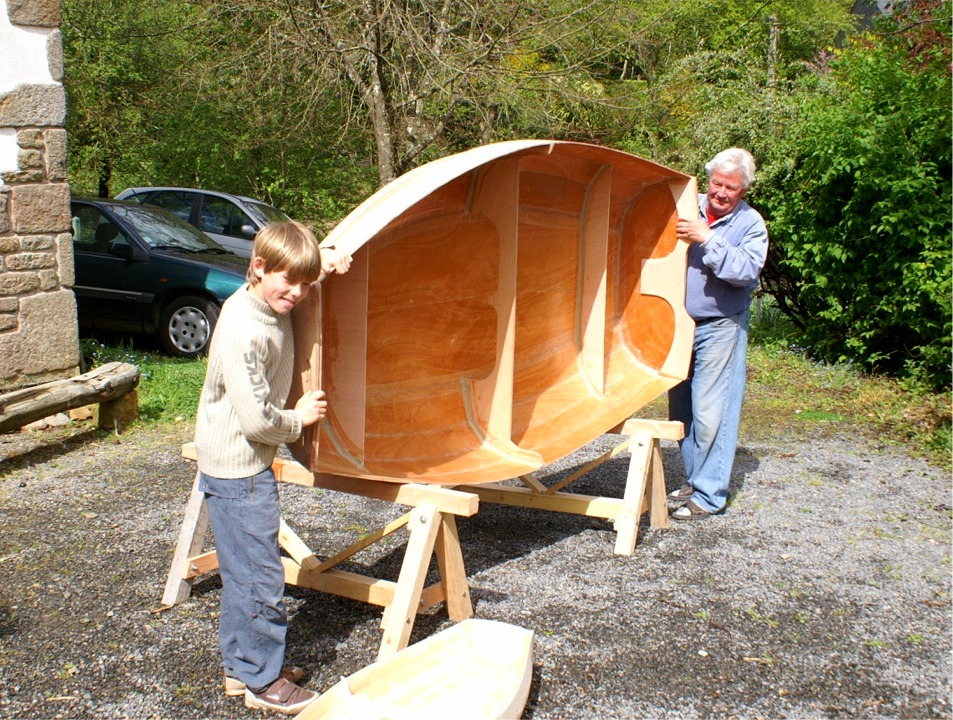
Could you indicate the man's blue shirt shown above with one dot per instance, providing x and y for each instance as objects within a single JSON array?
[{"x": 723, "y": 270}]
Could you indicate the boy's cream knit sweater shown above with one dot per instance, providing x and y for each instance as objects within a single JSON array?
[{"x": 241, "y": 417}]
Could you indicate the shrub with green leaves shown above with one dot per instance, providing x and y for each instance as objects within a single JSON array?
[{"x": 859, "y": 213}]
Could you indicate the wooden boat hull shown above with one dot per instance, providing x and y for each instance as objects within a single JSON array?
[
  {"x": 475, "y": 669},
  {"x": 506, "y": 306}
]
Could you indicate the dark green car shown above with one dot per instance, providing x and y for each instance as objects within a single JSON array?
[{"x": 142, "y": 269}]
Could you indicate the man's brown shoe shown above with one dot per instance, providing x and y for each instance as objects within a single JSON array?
[
  {"x": 683, "y": 494},
  {"x": 281, "y": 696},
  {"x": 691, "y": 511}
]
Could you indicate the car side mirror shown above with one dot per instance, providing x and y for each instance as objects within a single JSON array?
[
  {"x": 122, "y": 250},
  {"x": 248, "y": 231}
]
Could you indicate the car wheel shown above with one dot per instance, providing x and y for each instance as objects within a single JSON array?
[{"x": 186, "y": 326}]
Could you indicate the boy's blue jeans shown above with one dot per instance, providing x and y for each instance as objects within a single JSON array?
[
  {"x": 708, "y": 402},
  {"x": 253, "y": 623}
]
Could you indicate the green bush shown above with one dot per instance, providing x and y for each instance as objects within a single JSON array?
[{"x": 859, "y": 214}]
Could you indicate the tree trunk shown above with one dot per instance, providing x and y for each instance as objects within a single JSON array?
[{"x": 383, "y": 134}]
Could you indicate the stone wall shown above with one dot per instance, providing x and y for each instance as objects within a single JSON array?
[{"x": 38, "y": 331}]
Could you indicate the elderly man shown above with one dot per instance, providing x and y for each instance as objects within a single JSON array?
[{"x": 729, "y": 243}]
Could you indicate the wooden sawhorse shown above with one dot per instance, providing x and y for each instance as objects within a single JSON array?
[
  {"x": 432, "y": 529},
  {"x": 644, "y": 485}
]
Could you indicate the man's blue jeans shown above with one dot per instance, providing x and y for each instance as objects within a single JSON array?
[
  {"x": 253, "y": 622},
  {"x": 708, "y": 402}
]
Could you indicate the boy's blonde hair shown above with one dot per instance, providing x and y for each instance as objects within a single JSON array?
[{"x": 287, "y": 247}]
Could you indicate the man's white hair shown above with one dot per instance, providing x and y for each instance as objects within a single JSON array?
[{"x": 731, "y": 161}]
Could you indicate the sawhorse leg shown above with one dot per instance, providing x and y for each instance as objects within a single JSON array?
[
  {"x": 191, "y": 538},
  {"x": 430, "y": 530},
  {"x": 644, "y": 490},
  {"x": 454, "y": 575},
  {"x": 399, "y": 615}
]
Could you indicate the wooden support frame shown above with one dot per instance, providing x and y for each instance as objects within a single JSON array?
[
  {"x": 644, "y": 485},
  {"x": 432, "y": 528}
]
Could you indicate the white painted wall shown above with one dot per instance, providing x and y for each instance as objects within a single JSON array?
[
  {"x": 8, "y": 150},
  {"x": 23, "y": 60}
]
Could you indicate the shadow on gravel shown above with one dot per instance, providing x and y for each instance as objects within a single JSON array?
[
  {"x": 44, "y": 449},
  {"x": 499, "y": 534},
  {"x": 8, "y": 619}
]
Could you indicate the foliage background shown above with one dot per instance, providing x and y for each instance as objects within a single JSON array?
[{"x": 313, "y": 105}]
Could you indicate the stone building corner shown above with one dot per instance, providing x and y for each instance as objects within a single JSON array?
[{"x": 39, "y": 339}]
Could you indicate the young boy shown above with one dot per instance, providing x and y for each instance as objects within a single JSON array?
[{"x": 241, "y": 422}]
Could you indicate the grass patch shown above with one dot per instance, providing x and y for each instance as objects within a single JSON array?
[
  {"x": 783, "y": 381},
  {"x": 820, "y": 416},
  {"x": 169, "y": 388},
  {"x": 791, "y": 394}
]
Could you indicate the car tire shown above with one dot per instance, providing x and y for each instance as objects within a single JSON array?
[{"x": 186, "y": 326}]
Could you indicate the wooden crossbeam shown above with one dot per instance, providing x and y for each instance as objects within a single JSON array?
[
  {"x": 456, "y": 502},
  {"x": 605, "y": 457},
  {"x": 644, "y": 485},
  {"x": 363, "y": 543}
]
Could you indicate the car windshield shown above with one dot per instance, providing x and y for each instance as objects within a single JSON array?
[
  {"x": 162, "y": 229},
  {"x": 265, "y": 213}
]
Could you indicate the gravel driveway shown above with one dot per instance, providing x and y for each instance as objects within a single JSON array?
[{"x": 823, "y": 592}]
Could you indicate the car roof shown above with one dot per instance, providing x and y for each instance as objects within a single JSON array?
[
  {"x": 125, "y": 202},
  {"x": 131, "y": 204},
  {"x": 217, "y": 193}
]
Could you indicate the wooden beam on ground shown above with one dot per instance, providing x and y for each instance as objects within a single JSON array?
[{"x": 105, "y": 383}]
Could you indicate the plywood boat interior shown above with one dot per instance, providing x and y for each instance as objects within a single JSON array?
[{"x": 505, "y": 307}]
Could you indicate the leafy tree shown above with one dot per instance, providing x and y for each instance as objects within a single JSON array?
[
  {"x": 300, "y": 102},
  {"x": 416, "y": 80},
  {"x": 860, "y": 213},
  {"x": 159, "y": 95},
  {"x": 725, "y": 79},
  {"x": 118, "y": 59}
]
